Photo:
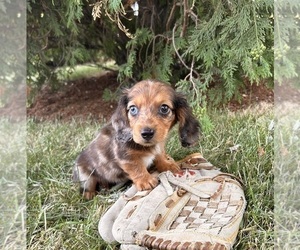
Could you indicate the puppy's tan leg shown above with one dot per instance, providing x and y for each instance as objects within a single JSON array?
[
  {"x": 87, "y": 181},
  {"x": 164, "y": 163},
  {"x": 140, "y": 176}
]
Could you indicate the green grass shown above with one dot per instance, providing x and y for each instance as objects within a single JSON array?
[
  {"x": 12, "y": 184},
  {"x": 85, "y": 71},
  {"x": 57, "y": 217},
  {"x": 287, "y": 175}
]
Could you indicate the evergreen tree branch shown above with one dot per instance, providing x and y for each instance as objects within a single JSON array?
[
  {"x": 185, "y": 18},
  {"x": 179, "y": 56},
  {"x": 171, "y": 15}
]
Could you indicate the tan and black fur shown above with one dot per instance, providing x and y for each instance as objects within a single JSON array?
[{"x": 135, "y": 138}]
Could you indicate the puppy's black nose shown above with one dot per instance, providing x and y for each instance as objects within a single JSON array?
[{"x": 147, "y": 133}]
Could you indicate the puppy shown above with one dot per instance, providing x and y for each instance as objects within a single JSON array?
[{"x": 135, "y": 138}]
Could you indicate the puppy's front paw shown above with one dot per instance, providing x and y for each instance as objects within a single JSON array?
[
  {"x": 89, "y": 195},
  {"x": 166, "y": 163},
  {"x": 147, "y": 183},
  {"x": 173, "y": 167}
]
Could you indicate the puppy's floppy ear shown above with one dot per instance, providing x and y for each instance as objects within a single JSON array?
[
  {"x": 189, "y": 127},
  {"x": 120, "y": 121}
]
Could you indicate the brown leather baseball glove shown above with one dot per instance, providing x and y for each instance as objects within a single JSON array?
[{"x": 198, "y": 208}]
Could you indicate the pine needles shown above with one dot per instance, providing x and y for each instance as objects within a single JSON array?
[{"x": 214, "y": 46}]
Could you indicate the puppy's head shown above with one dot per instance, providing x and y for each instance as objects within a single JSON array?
[{"x": 147, "y": 112}]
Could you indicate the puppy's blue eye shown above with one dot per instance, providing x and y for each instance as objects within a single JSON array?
[
  {"x": 164, "y": 109},
  {"x": 133, "y": 110}
]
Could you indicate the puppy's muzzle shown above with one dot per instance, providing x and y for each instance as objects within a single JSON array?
[{"x": 147, "y": 133}]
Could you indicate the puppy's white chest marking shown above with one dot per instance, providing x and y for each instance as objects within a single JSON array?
[
  {"x": 148, "y": 160},
  {"x": 157, "y": 149}
]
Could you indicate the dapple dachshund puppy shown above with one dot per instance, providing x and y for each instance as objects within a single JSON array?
[{"x": 135, "y": 138}]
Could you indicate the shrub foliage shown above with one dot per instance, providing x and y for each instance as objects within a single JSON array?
[
  {"x": 197, "y": 45},
  {"x": 286, "y": 40}
]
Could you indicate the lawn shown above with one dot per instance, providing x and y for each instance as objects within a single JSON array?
[
  {"x": 287, "y": 176},
  {"x": 12, "y": 184},
  {"x": 240, "y": 143}
]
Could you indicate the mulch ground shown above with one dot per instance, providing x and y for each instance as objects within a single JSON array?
[{"x": 82, "y": 99}]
